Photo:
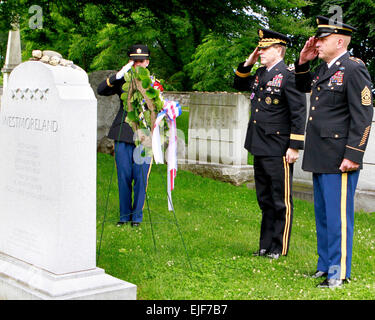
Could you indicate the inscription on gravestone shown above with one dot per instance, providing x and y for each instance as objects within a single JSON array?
[{"x": 48, "y": 168}]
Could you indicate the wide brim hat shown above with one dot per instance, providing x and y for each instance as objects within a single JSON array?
[
  {"x": 327, "y": 26},
  {"x": 268, "y": 38},
  {"x": 139, "y": 52}
]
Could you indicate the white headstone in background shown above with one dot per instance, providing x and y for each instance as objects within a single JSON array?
[
  {"x": 217, "y": 128},
  {"x": 48, "y": 173}
]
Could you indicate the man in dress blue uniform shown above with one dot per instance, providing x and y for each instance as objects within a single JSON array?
[
  {"x": 275, "y": 134},
  {"x": 128, "y": 170},
  {"x": 336, "y": 137}
]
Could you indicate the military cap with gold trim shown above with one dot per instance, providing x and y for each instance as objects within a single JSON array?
[
  {"x": 268, "y": 38},
  {"x": 139, "y": 52},
  {"x": 327, "y": 26}
]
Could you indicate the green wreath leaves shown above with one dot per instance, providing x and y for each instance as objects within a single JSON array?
[{"x": 142, "y": 101}]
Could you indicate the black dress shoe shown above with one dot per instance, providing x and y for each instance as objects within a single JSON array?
[
  {"x": 332, "y": 283},
  {"x": 273, "y": 255},
  {"x": 120, "y": 223},
  {"x": 319, "y": 274},
  {"x": 260, "y": 253},
  {"x": 135, "y": 224}
]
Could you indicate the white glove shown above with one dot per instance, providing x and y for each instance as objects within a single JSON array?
[{"x": 124, "y": 70}]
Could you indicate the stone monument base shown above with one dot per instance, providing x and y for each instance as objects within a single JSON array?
[
  {"x": 22, "y": 281},
  {"x": 234, "y": 174}
]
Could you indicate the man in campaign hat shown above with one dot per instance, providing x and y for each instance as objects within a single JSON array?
[
  {"x": 275, "y": 133},
  {"x": 127, "y": 169},
  {"x": 337, "y": 133}
]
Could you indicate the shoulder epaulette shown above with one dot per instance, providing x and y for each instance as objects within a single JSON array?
[{"x": 356, "y": 60}]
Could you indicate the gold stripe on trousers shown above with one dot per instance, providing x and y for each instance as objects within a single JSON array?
[
  {"x": 344, "y": 192},
  {"x": 287, "y": 207}
]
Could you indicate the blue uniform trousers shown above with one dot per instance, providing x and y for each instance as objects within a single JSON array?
[
  {"x": 131, "y": 167},
  {"x": 334, "y": 217}
]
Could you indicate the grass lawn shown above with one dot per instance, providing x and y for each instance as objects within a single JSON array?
[{"x": 220, "y": 226}]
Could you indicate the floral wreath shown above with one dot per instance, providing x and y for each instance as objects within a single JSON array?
[{"x": 143, "y": 101}]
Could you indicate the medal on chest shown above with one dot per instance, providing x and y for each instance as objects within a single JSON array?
[
  {"x": 256, "y": 82},
  {"x": 337, "y": 78},
  {"x": 276, "y": 81}
]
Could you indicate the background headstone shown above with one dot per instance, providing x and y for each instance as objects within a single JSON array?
[{"x": 217, "y": 130}]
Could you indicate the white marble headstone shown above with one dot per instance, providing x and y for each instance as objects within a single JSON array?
[
  {"x": 217, "y": 128},
  {"x": 48, "y": 168}
]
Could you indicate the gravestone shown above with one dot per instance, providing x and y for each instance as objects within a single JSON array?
[
  {"x": 217, "y": 130},
  {"x": 48, "y": 188}
]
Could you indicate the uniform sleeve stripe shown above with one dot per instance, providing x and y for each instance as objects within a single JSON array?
[
  {"x": 299, "y": 137},
  {"x": 301, "y": 72},
  {"x": 242, "y": 75},
  {"x": 354, "y": 148},
  {"x": 109, "y": 84}
]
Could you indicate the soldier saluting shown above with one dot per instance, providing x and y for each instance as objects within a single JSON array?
[
  {"x": 337, "y": 133},
  {"x": 274, "y": 135}
]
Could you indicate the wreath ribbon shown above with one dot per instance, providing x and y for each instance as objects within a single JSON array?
[{"x": 171, "y": 111}]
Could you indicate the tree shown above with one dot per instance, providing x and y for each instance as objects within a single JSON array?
[
  {"x": 215, "y": 60},
  {"x": 194, "y": 44}
]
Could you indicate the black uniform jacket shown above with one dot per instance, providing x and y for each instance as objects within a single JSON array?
[
  {"x": 340, "y": 114},
  {"x": 278, "y": 110},
  {"x": 120, "y": 130}
]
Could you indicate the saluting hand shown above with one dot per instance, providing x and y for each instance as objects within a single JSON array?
[
  {"x": 309, "y": 51},
  {"x": 348, "y": 165},
  {"x": 252, "y": 58},
  {"x": 124, "y": 69}
]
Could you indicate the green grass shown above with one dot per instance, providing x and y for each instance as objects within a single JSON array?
[{"x": 220, "y": 226}]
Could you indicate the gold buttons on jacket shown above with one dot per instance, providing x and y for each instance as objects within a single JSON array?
[
  {"x": 255, "y": 121},
  {"x": 317, "y": 98},
  {"x": 312, "y": 108},
  {"x": 256, "y": 110},
  {"x": 336, "y": 135},
  {"x": 310, "y": 118}
]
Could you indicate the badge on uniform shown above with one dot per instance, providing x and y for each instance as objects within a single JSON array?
[
  {"x": 268, "y": 100},
  {"x": 276, "y": 81},
  {"x": 337, "y": 78},
  {"x": 366, "y": 96},
  {"x": 256, "y": 81}
]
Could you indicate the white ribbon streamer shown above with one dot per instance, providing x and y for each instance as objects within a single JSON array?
[{"x": 171, "y": 111}]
